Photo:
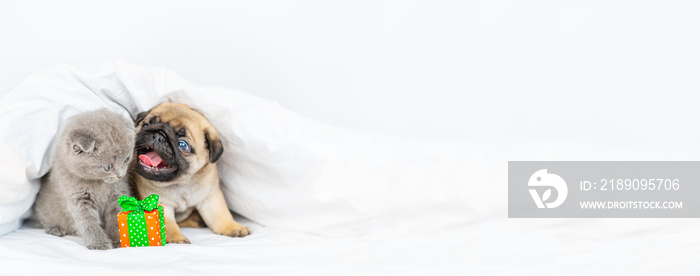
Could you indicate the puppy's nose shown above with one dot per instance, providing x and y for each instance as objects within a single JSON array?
[{"x": 158, "y": 137}]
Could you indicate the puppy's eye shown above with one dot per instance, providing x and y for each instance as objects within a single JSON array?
[
  {"x": 183, "y": 145},
  {"x": 127, "y": 159},
  {"x": 107, "y": 167},
  {"x": 144, "y": 125}
]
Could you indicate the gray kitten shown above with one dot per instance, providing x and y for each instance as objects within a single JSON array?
[{"x": 79, "y": 195}]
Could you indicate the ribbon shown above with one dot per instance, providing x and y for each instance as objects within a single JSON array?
[{"x": 132, "y": 204}]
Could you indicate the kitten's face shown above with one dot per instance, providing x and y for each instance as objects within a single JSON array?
[
  {"x": 103, "y": 154},
  {"x": 114, "y": 168},
  {"x": 103, "y": 163}
]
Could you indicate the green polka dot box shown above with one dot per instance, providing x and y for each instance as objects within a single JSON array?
[{"x": 141, "y": 223}]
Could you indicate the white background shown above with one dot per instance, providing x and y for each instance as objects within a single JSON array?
[
  {"x": 520, "y": 80},
  {"x": 605, "y": 72}
]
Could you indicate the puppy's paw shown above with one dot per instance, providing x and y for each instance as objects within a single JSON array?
[
  {"x": 177, "y": 238},
  {"x": 100, "y": 246},
  {"x": 236, "y": 230},
  {"x": 56, "y": 231}
]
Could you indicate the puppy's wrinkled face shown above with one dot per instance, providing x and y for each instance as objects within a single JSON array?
[{"x": 173, "y": 141}]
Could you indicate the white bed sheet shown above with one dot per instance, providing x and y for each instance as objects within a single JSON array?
[{"x": 489, "y": 247}]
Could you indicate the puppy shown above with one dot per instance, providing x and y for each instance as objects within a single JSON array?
[{"x": 177, "y": 149}]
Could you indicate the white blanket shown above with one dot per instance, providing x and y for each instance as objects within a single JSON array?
[
  {"x": 320, "y": 199},
  {"x": 278, "y": 169}
]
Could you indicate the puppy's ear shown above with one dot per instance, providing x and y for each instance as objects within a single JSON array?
[
  {"x": 82, "y": 141},
  {"x": 214, "y": 145},
  {"x": 140, "y": 117}
]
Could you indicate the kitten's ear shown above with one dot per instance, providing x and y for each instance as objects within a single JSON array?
[
  {"x": 82, "y": 141},
  {"x": 214, "y": 145},
  {"x": 140, "y": 117}
]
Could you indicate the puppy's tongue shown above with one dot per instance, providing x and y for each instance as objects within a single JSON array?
[{"x": 151, "y": 159}]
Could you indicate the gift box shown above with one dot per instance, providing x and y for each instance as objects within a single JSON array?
[{"x": 141, "y": 223}]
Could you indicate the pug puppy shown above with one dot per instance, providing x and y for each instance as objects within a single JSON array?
[{"x": 177, "y": 148}]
